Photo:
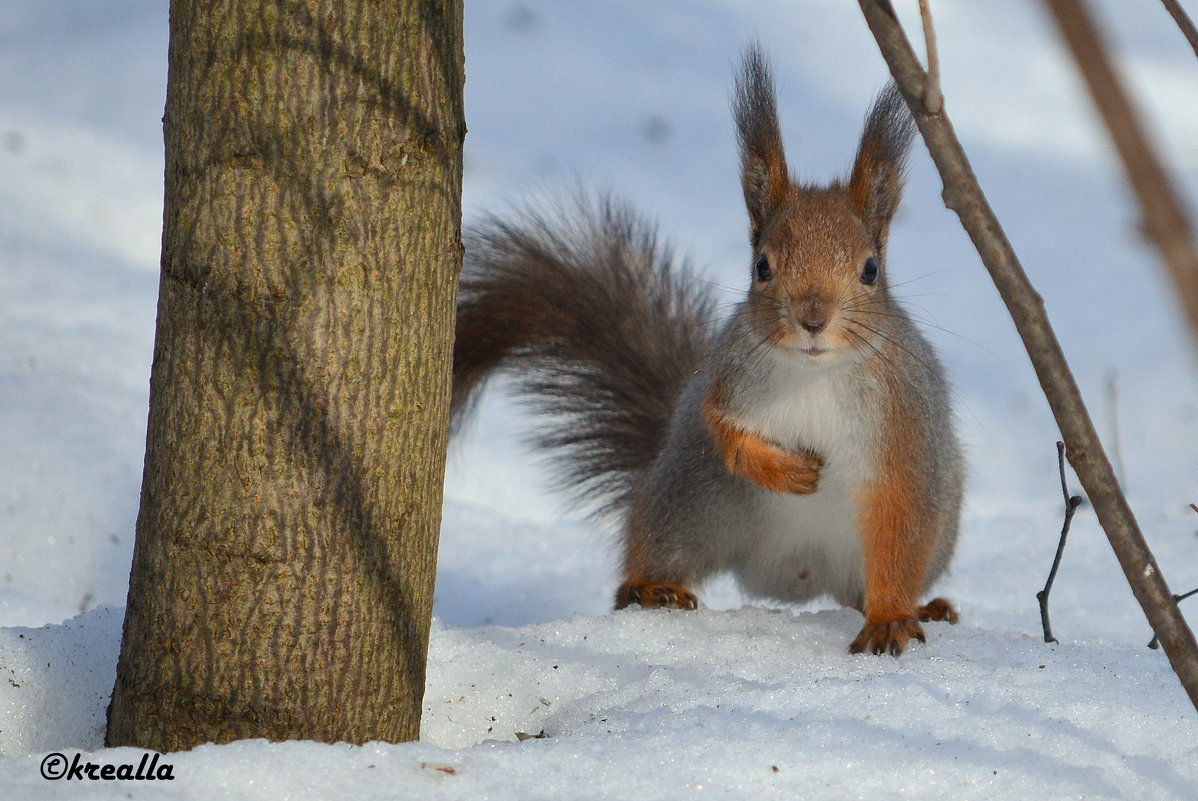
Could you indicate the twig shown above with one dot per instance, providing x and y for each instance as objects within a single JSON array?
[
  {"x": 1183, "y": 22},
  {"x": 933, "y": 98},
  {"x": 1071, "y": 504},
  {"x": 1164, "y": 221},
  {"x": 963, "y": 195}
]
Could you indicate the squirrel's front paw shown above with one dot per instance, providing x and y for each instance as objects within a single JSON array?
[
  {"x": 774, "y": 469},
  {"x": 889, "y": 637},
  {"x": 802, "y": 473},
  {"x": 764, "y": 463},
  {"x": 654, "y": 594}
]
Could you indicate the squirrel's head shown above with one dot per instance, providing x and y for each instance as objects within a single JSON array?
[{"x": 818, "y": 269}]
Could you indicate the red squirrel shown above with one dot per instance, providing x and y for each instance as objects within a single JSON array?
[{"x": 805, "y": 444}]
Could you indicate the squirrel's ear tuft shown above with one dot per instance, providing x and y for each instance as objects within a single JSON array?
[
  {"x": 876, "y": 184},
  {"x": 764, "y": 176}
]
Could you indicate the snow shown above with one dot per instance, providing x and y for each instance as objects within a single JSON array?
[
  {"x": 747, "y": 703},
  {"x": 735, "y": 700}
]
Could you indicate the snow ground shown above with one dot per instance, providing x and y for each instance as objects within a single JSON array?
[
  {"x": 632, "y": 97},
  {"x": 770, "y": 706}
]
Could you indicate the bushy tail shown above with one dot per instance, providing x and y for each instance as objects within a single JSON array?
[{"x": 598, "y": 325}]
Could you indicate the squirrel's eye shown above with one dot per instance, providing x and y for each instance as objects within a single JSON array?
[
  {"x": 762, "y": 268},
  {"x": 869, "y": 274}
]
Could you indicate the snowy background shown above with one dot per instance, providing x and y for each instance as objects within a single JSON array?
[{"x": 733, "y": 701}]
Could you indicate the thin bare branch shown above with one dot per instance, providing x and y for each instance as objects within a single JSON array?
[
  {"x": 963, "y": 195},
  {"x": 1071, "y": 504},
  {"x": 1165, "y": 222},
  {"x": 1184, "y": 22},
  {"x": 933, "y": 98}
]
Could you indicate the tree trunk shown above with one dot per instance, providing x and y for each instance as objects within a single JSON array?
[{"x": 286, "y": 543}]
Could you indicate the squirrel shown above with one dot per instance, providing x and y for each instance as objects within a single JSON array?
[{"x": 806, "y": 444}]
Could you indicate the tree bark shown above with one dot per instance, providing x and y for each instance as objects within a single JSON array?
[{"x": 286, "y": 542}]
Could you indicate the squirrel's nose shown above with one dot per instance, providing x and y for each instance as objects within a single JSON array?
[
  {"x": 814, "y": 324},
  {"x": 812, "y": 312}
]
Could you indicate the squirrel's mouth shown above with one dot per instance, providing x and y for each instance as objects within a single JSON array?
[
  {"x": 811, "y": 354},
  {"x": 810, "y": 349}
]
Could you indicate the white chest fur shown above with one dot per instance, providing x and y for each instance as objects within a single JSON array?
[
  {"x": 807, "y": 545},
  {"x": 829, "y": 410}
]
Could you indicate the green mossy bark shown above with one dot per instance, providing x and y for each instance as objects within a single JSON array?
[{"x": 286, "y": 544}]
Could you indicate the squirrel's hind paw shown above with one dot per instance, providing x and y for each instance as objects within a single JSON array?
[
  {"x": 654, "y": 594},
  {"x": 887, "y": 638},
  {"x": 939, "y": 609}
]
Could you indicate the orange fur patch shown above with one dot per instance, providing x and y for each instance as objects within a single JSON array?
[
  {"x": 765, "y": 464},
  {"x": 897, "y": 541}
]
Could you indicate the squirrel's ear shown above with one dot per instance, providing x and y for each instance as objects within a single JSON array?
[
  {"x": 763, "y": 172},
  {"x": 876, "y": 184}
]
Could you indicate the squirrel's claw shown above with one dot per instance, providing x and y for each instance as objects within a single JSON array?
[
  {"x": 655, "y": 594},
  {"x": 887, "y": 637}
]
